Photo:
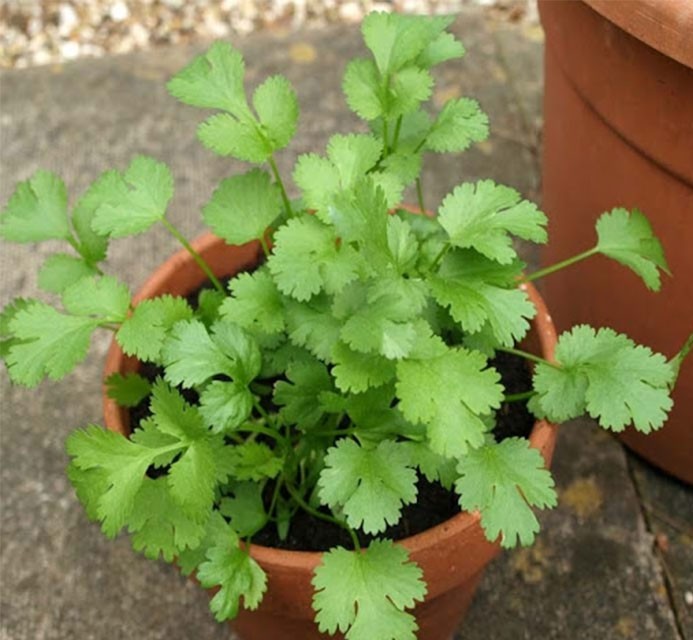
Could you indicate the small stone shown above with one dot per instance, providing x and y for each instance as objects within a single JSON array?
[
  {"x": 69, "y": 50},
  {"x": 688, "y": 598},
  {"x": 350, "y": 12},
  {"x": 119, "y": 12},
  {"x": 67, "y": 19}
]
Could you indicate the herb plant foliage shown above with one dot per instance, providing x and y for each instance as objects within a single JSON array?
[{"x": 367, "y": 335}]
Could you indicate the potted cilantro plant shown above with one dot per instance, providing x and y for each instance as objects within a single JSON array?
[{"x": 281, "y": 392}]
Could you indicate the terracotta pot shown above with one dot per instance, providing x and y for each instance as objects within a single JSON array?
[
  {"x": 452, "y": 555},
  {"x": 618, "y": 112}
]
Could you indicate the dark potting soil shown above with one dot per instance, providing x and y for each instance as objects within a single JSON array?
[{"x": 434, "y": 505}]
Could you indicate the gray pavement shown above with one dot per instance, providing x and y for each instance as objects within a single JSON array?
[{"x": 614, "y": 560}]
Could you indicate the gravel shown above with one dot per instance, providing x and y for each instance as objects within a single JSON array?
[{"x": 40, "y": 32}]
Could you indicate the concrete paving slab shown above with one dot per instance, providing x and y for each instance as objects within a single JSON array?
[{"x": 593, "y": 574}]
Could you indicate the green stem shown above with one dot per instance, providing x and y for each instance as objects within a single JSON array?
[
  {"x": 322, "y": 516},
  {"x": 527, "y": 356},
  {"x": 195, "y": 255},
  {"x": 560, "y": 265},
  {"x": 516, "y": 397},
  {"x": 275, "y": 495},
  {"x": 395, "y": 140},
  {"x": 419, "y": 195},
  {"x": 386, "y": 151},
  {"x": 258, "y": 429},
  {"x": 334, "y": 432},
  {"x": 441, "y": 254},
  {"x": 265, "y": 247},
  {"x": 278, "y": 178}
]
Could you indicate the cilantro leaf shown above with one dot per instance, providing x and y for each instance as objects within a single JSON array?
[
  {"x": 158, "y": 524},
  {"x": 7, "y": 337},
  {"x": 311, "y": 325},
  {"x": 478, "y": 290},
  {"x": 144, "y": 332},
  {"x": 606, "y": 374},
  {"x": 370, "y": 485},
  {"x": 408, "y": 88},
  {"x": 255, "y": 303},
  {"x": 128, "y": 390},
  {"x": 299, "y": 396},
  {"x": 213, "y": 80},
  {"x": 61, "y": 270},
  {"x": 444, "y": 47},
  {"x": 37, "y": 210},
  {"x": 173, "y": 415},
  {"x": 192, "y": 355},
  {"x": 92, "y": 246},
  {"x": 356, "y": 372},
  {"x": 216, "y": 531},
  {"x": 307, "y": 259},
  {"x": 46, "y": 343},
  {"x": 193, "y": 478},
  {"x": 362, "y": 88},
  {"x": 449, "y": 393},
  {"x": 318, "y": 179},
  {"x": 104, "y": 297},
  {"x": 433, "y": 466},
  {"x": 236, "y": 574},
  {"x": 227, "y": 136},
  {"x": 353, "y": 155},
  {"x": 245, "y": 508},
  {"x": 627, "y": 237},
  {"x": 459, "y": 124},
  {"x": 225, "y": 405},
  {"x": 136, "y": 200},
  {"x": 243, "y": 206},
  {"x": 483, "y": 214},
  {"x": 276, "y": 104},
  {"x": 254, "y": 461},
  {"x": 365, "y": 595},
  {"x": 502, "y": 481}
]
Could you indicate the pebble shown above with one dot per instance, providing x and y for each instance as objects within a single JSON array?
[{"x": 40, "y": 32}]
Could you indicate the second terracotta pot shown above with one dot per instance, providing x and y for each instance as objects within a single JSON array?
[{"x": 452, "y": 555}]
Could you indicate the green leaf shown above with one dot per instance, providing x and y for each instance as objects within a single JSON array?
[
  {"x": 433, "y": 466},
  {"x": 37, "y": 210},
  {"x": 124, "y": 464},
  {"x": 357, "y": 372},
  {"x": 402, "y": 243},
  {"x": 308, "y": 259},
  {"x": 143, "y": 334},
  {"x": 193, "y": 478},
  {"x": 460, "y": 123},
  {"x": 255, "y": 303},
  {"x": 444, "y": 47},
  {"x": 128, "y": 390},
  {"x": 136, "y": 200},
  {"x": 225, "y": 406},
  {"x": 102, "y": 296},
  {"x": 192, "y": 355},
  {"x": 299, "y": 396},
  {"x": 679, "y": 358},
  {"x": 318, "y": 179},
  {"x": 365, "y": 595},
  {"x": 245, "y": 509},
  {"x": 209, "y": 305},
  {"x": 89, "y": 485},
  {"x": 61, "y": 270},
  {"x": 408, "y": 88},
  {"x": 312, "y": 325},
  {"x": 449, "y": 393},
  {"x": 362, "y": 88},
  {"x": 627, "y": 237},
  {"x": 254, "y": 461},
  {"x": 236, "y": 574},
  {"x": 478, "y": 290},
  {"x": 370, "y": 485},
  {"x": 217, "y": 531},
  {"x": 7, "y": 338},
  {"x": 276, "y": 105},
  {"x": 159, "y": 526},
  {"x": 47, "y": 343},
  {"x": 482, "y": 215},
  {"x": 226, "y": 136},
  {"x": 92, "y": 246},
  {"x": 606, "y": 374},
  {"x": 173, "y": 415},
  {"x": 213, "y": 80},
  {"x": 502, "y": 481},
  {"x": 243, "y": 207}
]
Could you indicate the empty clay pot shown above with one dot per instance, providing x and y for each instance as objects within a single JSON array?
[
  {"x": 618, "y": 112},
  {"x": 452, "y": 555}
]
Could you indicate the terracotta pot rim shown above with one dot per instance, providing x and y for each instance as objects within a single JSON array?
[
  {"x": 664, "y": 26},
  {"x": 541, "y": 436}
]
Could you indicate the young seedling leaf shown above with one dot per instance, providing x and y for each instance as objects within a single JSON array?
[
  {"x": 363, "y": 90},
  {"x": 503, "y": 481},
  {"x": 460, "y": 123},
  {"x": 445, "y": 47},
  {"x": 136, "y": 200},
  {"x": 37, "y": 210},
  {"x": 245, "y": 508},
  {"x": 103, "y": 297},
  {"x": 357, "y": 372},
  {"x": 606, "y": 374},
  {"x": 127, "y": 390},
  {"x": 627, "y": 237},
  {"x": 311, "y": 325},
  {"x": 92, "y": 246},
  {"x": 193, "y": 479},
  {"x": 449, "y": 394},
  {"x": 366, "y": 595},
  {"x": 254, "y": 461},
  {"x": 370, "y": 486},
  {"x": 299, "y": 396},
  {"x": 243, "y": 207},
  {"x": 255, "y": 303},
  {"x": 482, "y": 216},
  {"x": 227, "y": 136},
  {"x": 143, "y": 334},
  {"x": 225, "y": 406},
  {"x": 277, "y": 107},
  {"x": 61, "y": 270}
]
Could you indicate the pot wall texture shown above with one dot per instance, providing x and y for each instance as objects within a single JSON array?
[
  {"x": 619, "y": 132},
  {"x": 452, "y": 555}
]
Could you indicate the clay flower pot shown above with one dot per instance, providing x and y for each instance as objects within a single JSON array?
[
  {"x": 452, "y": 555},
  {"x": 618, "y": 112}
]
